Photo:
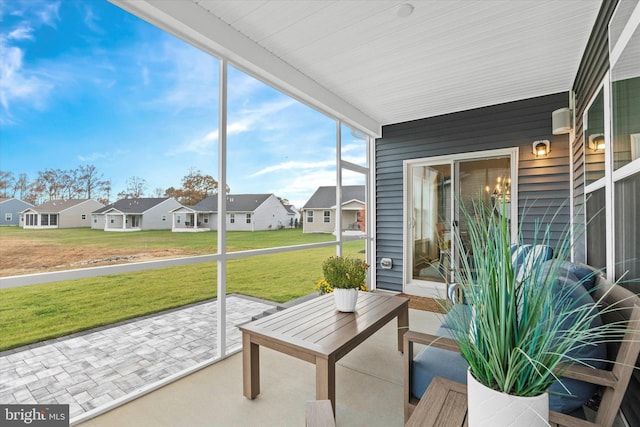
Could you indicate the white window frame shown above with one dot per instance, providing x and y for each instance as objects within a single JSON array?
[
  {"x": 606, "y": 181},
  {"x": 612, "y": 177}
]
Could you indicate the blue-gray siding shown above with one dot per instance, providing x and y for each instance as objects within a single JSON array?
[
  {"x": 543, "y": 183},
  {"x": 13, "y": 207}
]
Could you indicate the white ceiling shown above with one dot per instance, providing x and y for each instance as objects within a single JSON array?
[{"x": 363, "y": 63}]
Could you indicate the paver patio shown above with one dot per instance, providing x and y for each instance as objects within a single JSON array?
[{"x": 91, "y": 369}]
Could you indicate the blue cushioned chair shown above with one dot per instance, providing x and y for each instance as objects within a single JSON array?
[{"x": 441, "y": 357}]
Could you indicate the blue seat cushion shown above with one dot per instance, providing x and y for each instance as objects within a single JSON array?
[
  {"x": 458, "y": 317},
  {"x": 569, "y": 291},
  {"x": 433, "y": 362},
  {"x": 581, "y": 272},
  {"x": 535, "y": 256}
]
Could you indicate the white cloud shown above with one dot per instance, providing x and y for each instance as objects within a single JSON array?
[
  {"x": 91, "y": 20},
  {"x": 247, "y": 121},
  {"x": 48, "y": 13},
  {"x": 21, "y": 33},
  {"x": 92, "y": 157},
  {"x": 357, "y": 159},
  {"x": 294, "y": 165},
  {"x": 192, "y": 75},
  {"x": 108, "y": 155},
  {"x": 201, "y": 146},
  {"x": 354, "y": 146},
  {"x": 247, "y": 118},
  {"x": 145, "y": 75},
  {"x": 300, "y": 187},
  {"x": 212, "y": 136},
  {"x": 19, "y": 84}
]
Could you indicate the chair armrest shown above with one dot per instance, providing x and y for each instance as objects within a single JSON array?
[
  {"x": 599, "y": 377},
  {"x": 431, "y": 340},
  {"x": 411, "y": 337},
  {"x": 564, "y": 420}
]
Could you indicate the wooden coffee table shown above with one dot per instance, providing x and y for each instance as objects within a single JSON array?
[{"x": 316, "y": 332}]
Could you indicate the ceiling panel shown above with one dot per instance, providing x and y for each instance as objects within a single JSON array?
[{"x": 446, "y": 56}]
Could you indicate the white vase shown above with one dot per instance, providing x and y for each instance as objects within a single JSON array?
[
  {"x": 491, "y": 408},
  {"x": 345, "y": 299}
]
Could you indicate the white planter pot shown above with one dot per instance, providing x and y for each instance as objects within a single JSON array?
[
  {"x": 345, "y": 299},
  {"x": 491, "y": 408}
]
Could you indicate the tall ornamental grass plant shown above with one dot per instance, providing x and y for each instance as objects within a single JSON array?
[{"x": 518, "y": 337}]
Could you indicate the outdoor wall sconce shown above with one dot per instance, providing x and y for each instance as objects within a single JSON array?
[
  {"x": 541, "y": 148},
  {"x": 561, "y": 121},
  {"x": 596, "y": 142}
]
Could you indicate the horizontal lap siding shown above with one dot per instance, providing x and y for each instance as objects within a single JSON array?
[{"x": 515, "y": 124}]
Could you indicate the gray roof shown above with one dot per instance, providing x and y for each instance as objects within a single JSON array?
[
  {"x": 235, "y": 203},
  {"x": 133, "y": 206},
  {"x": 8, "y": 199},
  {"x": 325, "y": 197},
  {"x": 57, "y": 206}
]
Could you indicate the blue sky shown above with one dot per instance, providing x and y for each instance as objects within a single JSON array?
[{"x": 84, "y": 82}]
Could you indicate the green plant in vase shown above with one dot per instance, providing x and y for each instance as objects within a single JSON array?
[{"x": 345, "y": 276}]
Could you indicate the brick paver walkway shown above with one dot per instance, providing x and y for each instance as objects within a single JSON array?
[{"x": 94, "y": 368}]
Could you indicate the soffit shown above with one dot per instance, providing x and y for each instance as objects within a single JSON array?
[{"x": 446, "y": 56}]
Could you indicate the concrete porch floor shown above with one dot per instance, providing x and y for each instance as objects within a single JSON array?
[{"x": 369, "y": 383}]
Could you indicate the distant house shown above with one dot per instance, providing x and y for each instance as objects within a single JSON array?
[
  {"x": 60, "y": 214},
  {"x": 10, "y": 209},
  {"x": 199, "y": 217},
  {"x": 245, "y": 212},
  {"x": 135, "y": 214},
  {"x": 295, "y": 212},
  {"x": 319, "y": 213}
]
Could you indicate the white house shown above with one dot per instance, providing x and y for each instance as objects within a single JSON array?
[
  {"x": 135, "y": 214},
  {"x": 60, "y": 214},
  {"x": 245, "y": 212},
  {"x": 296, "y": 214},
  {"x": 319, "y": 213}
]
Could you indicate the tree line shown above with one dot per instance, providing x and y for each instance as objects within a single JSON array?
[{"x": 86, "y": 182}]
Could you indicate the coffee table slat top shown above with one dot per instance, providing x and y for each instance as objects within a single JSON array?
[{"x": 318, "y": 327}]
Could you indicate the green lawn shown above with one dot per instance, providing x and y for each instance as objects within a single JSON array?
[
  {"x": 35, "y": 313},
  {"x": 202, "y": 243}
]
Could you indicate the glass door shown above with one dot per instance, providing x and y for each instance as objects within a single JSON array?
[
  {"x": 431, "y": 222},
  {"x": 434, "y": 190}
]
